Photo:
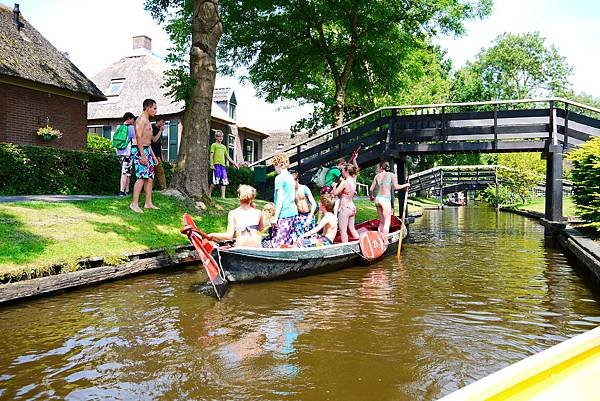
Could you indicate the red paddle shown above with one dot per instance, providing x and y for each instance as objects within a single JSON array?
[
  {"x": 204, "y": 249},
  {"x": 372, "y": 245}
]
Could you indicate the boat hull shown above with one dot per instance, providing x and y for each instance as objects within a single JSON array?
[{"x": 259, "y": 264}]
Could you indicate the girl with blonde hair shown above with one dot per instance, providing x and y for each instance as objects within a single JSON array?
[
  {"x": 244, "y": 222},
  {"x": 347, "y": 210}
]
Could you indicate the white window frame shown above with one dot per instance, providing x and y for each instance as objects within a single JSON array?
[
  {"x": 115, "y": 81},
  {"x": 253, "y": 149},
  {"x": 231, "y": 145}
]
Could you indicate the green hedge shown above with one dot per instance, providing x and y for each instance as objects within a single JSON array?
[
  {"x": 586, "y": 181},
  {"x": 245, "y": 175},
  {"x": 32, "y": 170},
  {"x": 98, "y": 144}
]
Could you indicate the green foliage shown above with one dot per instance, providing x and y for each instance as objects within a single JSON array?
[
  {"x": 586, "y": 180},
  {"x": 29, "y": 170},
  {"x": 524, "y": 171},
  {"x": 505, "y": 195},
  {"x": 98, "y": 144},
  {"x": 312, "y": 52},
  {"x": 516, "y": 66},
  {"x": 237, "y": 177}
]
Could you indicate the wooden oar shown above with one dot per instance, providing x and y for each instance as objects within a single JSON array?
[{"x": 403, "y": 211}]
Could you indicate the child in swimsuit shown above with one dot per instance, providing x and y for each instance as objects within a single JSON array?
[
  {"x": 243, "y": 223},
  {"x": 327, "y": 226},
  {"x": 384, "y": 181},
  {"x": 306, "y": 204},
  {"x": 347, "y": 211},
  {"x": 269, "y": 220}
]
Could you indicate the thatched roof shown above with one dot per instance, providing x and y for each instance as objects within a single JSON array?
[
  {"x": 142, "y": 74},
  {"x": 26, "y": 54}
]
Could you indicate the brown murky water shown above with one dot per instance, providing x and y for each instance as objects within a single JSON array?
[{"x": 471, "y": 295}]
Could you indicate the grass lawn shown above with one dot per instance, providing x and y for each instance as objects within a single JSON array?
[
  {"x": 34, "y": 236},
  {"x": 423, "y": 201},
  {"x": 539, "y": 205}
]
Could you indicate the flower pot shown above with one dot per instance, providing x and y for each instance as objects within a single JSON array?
[{"x": 47, "y": 137}]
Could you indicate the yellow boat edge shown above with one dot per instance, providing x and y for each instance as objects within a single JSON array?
[{"x": 548, "y": 375}]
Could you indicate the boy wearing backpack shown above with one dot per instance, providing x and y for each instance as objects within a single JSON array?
[{"x": 122, "y": 138}]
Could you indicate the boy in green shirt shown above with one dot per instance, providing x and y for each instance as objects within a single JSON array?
[{"x": 218, "y": 154}]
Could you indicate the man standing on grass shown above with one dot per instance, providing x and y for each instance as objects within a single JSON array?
[{"x": 143, "y": 157}]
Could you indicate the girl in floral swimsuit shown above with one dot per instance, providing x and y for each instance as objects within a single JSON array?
[
  {"x": 384, "y": 181},
  {"x": 347, "y": 211}
]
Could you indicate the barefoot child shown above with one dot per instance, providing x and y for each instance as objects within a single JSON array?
[
  {"x": 384, "y": 181},
  {"x": 327, "y": 226},
  {"x": 218, "y": 156},
  {"x": 286, "y": 211},
  {"x": 347, "y": 210}
]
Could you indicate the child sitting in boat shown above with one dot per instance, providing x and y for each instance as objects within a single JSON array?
[
  {"x": 327, "y": 225},
  {"x": 244, "y": 222},
  {"x": 269, "y": 220}
]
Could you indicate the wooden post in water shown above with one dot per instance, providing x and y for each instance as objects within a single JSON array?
[{"x": 401, "y": 174}]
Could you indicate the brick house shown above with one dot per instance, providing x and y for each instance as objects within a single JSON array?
[
  {"x": 139, "y": 76},
  {"x": 39, "y": 85}
]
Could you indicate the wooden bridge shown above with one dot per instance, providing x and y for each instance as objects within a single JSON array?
[{"x": 549, "y": 126}]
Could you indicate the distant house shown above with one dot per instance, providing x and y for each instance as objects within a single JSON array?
[
  {"x": 140, "y": 75},
  {"x": 39, "y": 86}
]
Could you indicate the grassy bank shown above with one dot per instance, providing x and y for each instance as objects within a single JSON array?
[
  {"x": 539, "y": 205},
  {"x": 34, "y": 236}
]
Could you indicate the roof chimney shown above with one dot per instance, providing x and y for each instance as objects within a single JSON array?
[
  {"x": 16, "y": 15},
  {"x": 142, "y": 42}
]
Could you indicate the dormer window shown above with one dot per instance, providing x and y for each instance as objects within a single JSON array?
[{"x": 115, "y": 87}]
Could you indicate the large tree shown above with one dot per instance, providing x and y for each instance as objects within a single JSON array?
[
  {"x": 326, "y": 52},
  {"x": 194, "y": 26},
  {"x": 516, "y": 66}
]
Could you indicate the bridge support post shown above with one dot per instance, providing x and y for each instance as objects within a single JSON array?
[
  {"x": 554, "y": 188},
  {"x": 401, "y": 174}
]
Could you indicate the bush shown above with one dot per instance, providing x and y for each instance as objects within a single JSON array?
[
  {"x": 32, "y": 170},
  {"x": 505, "y": 195},
  {"x": 98, "y": 144},
  {"x": 237, "y": 177},
  {"x": 586, "y": 181}
]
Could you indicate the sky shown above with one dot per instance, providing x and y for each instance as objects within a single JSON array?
[{"x": 99, "y": 33}]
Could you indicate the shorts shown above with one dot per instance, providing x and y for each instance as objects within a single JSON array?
[
  {"x": 315, "y": 240},
  {"x": 125, "y": 161},
  {"x": 141, "y": 171},
  {"x": 301, "y": 226},
  {"x": 284, "y": 232},
  {"x": 220, "y": 175}
]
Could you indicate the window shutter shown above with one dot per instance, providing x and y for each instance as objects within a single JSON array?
[
  {"x": 173, "y": 141},
  {"x": 106, "y": 131},
  {"x": 256, "y": 158}
]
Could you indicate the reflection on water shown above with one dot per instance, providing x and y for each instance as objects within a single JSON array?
[{"x": 472, "y": 294}]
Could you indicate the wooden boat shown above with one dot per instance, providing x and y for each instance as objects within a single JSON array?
[
  {"x": 566, "y": 371},
  {"x": 240, "y": 264}
]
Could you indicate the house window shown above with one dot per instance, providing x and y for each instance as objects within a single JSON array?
[
  {"x": 279, "y": 147},
  {"x": 101, "y": 130},
  {"x": 232, "y": 107},
  {"x": 115, "y": 87},
  {"x": 231, "y": 146},
  {"x": 249, "y": 150}
]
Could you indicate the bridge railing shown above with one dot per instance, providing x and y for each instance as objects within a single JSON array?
[{"x": 528, "y": 124}]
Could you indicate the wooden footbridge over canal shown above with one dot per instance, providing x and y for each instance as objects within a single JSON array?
[{"x": 549, "y": 126}]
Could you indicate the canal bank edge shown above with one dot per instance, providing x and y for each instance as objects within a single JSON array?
[
  {"x": 141, "y": 262},
  {"x": 584, "y": 249}
]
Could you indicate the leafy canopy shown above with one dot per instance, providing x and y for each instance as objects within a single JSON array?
[{"x": 516, "y": 66}]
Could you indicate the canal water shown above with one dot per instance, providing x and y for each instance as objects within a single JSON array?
[{"x": 473, "y": 292}]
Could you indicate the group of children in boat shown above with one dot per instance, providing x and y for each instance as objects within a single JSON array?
[{"x": 290, "y": 220}]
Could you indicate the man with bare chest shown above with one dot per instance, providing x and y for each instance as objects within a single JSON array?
[{"x": 143, "y": 157}]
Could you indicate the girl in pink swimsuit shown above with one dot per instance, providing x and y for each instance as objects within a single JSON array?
[{"x": 346, "y": 191}]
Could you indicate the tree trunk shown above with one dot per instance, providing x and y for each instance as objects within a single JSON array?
[
  {"x": 192, "y": 175},
  {"x": 338, "y": 108}
]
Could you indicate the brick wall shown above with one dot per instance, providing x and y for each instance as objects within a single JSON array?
[{"x": 23, "y": 111}]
